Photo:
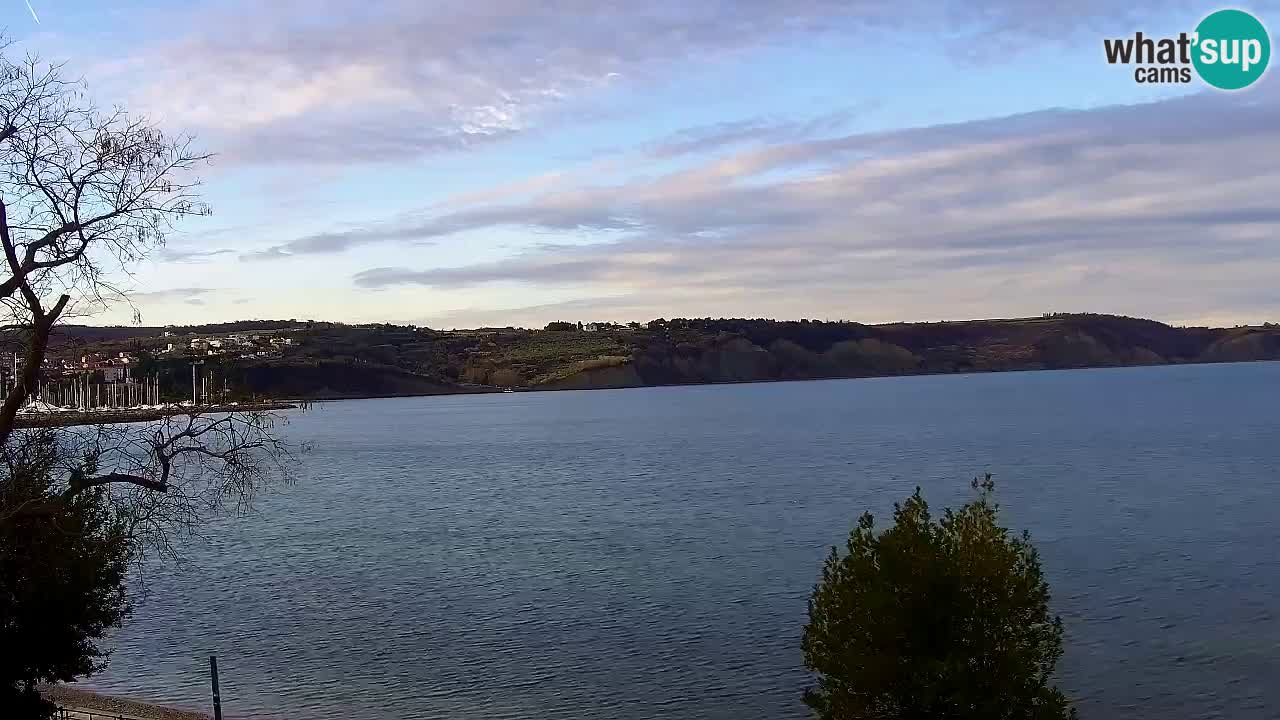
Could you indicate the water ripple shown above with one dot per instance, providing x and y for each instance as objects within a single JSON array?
[{"x": 648, "y": 554}]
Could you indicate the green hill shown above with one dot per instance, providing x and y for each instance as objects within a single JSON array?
[{"x": 339, "y": 360}]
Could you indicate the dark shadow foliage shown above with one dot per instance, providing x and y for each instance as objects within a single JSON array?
[{"x": 62, "y": 579}]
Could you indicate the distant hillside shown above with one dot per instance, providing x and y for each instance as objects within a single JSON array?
[
  {"x": 338, "y": 360},
  {"x": 70, "y": 334}
]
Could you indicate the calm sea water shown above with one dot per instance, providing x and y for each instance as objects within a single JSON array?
[{"x": 648, "y": 553}]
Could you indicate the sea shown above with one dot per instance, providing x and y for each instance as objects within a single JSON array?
[{"x": 648, "y": 553}]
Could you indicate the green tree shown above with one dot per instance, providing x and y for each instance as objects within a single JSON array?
[
  {"x": 939, "y": 619},
  {"x": 145, "y": 363},
  {"x": 61, "y": 579}
]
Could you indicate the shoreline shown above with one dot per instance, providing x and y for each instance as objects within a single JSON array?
[
  {"x": 126, "y": 415},
  {"x": 119, "y": 416},
  {"x": 494, "y": 390},
  {"x": 79, "y": 702}
]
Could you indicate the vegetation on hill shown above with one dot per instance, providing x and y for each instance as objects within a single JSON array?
[{"x": 339, "y": 360}]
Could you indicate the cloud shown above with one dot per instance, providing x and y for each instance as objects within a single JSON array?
[
  {"x": 537, "y": 268},
  {"x": 335, "y": 242},
  {"x": 189, "y": 295},
  {"x": 1073, "y": 205},
  {"x": 196, "y": 297},
  {"x": 319, "y": 243},
  {"x": 567, "y": 215},
  {"x": 171, "y": 255},
  {"x": 603, "y": 307},
  {"x": 277, "y": 252},
  {"x": 717, "y": 136},
  {"x": 279, "y": 82},
  {"x": 734, "y": 193}
]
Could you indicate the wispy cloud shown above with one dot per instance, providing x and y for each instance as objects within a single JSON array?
[
  {"x": 717, "y": 136},
  {"x": 1169, "y": 188},
  {"x": 172, "y": 255},
  {"x": 338, "y": 241},
  {"x": 1012, "y": 168},
  {"x": 188, "y": 295},
  {"x": 279, "y": 82}
]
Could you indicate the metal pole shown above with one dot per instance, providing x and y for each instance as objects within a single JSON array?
[
  {"x": 217, "y": 699},
  {"x": 193, "y": 384}
]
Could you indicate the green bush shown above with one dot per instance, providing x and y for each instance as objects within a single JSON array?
[{"x": 945, "y": 619}]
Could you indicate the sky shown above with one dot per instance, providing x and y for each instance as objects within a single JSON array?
[{"x": 463, "y": 163}]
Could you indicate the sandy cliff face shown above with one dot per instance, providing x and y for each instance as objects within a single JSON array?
[
  {"x": 1245, "y": 347},
  {"x": 620, "y": 376}
]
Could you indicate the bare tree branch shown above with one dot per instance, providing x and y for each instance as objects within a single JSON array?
[
  {"x": 79, "y": 482},
  {"x": 84, "y": 194}
]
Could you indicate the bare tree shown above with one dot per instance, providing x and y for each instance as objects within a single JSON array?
[
  {"x": 86, "y": 193},
  {"x": 163, "y": 479}
]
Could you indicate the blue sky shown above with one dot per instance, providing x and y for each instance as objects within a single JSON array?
[{"x": 459, "y": 163}]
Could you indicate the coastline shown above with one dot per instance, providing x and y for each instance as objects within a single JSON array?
[
  {"x": 127, "y": 415},
  {"x": 491, "y": 390},
  {"x": 120, "y": 416},
  {"x": 85, "y": 703}
]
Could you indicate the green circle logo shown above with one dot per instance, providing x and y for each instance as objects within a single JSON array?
[{"x": 1232, "y": 49}]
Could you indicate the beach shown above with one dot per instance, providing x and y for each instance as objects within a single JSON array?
[{"x": 84, "y": 705}]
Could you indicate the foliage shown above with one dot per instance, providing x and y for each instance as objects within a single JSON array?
[
  {"x": 506, "y": 378},
  {"x": 61, "y": 579},
  {"x": 945, "y": 619},
  {"x": 388, "y": 359}
]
